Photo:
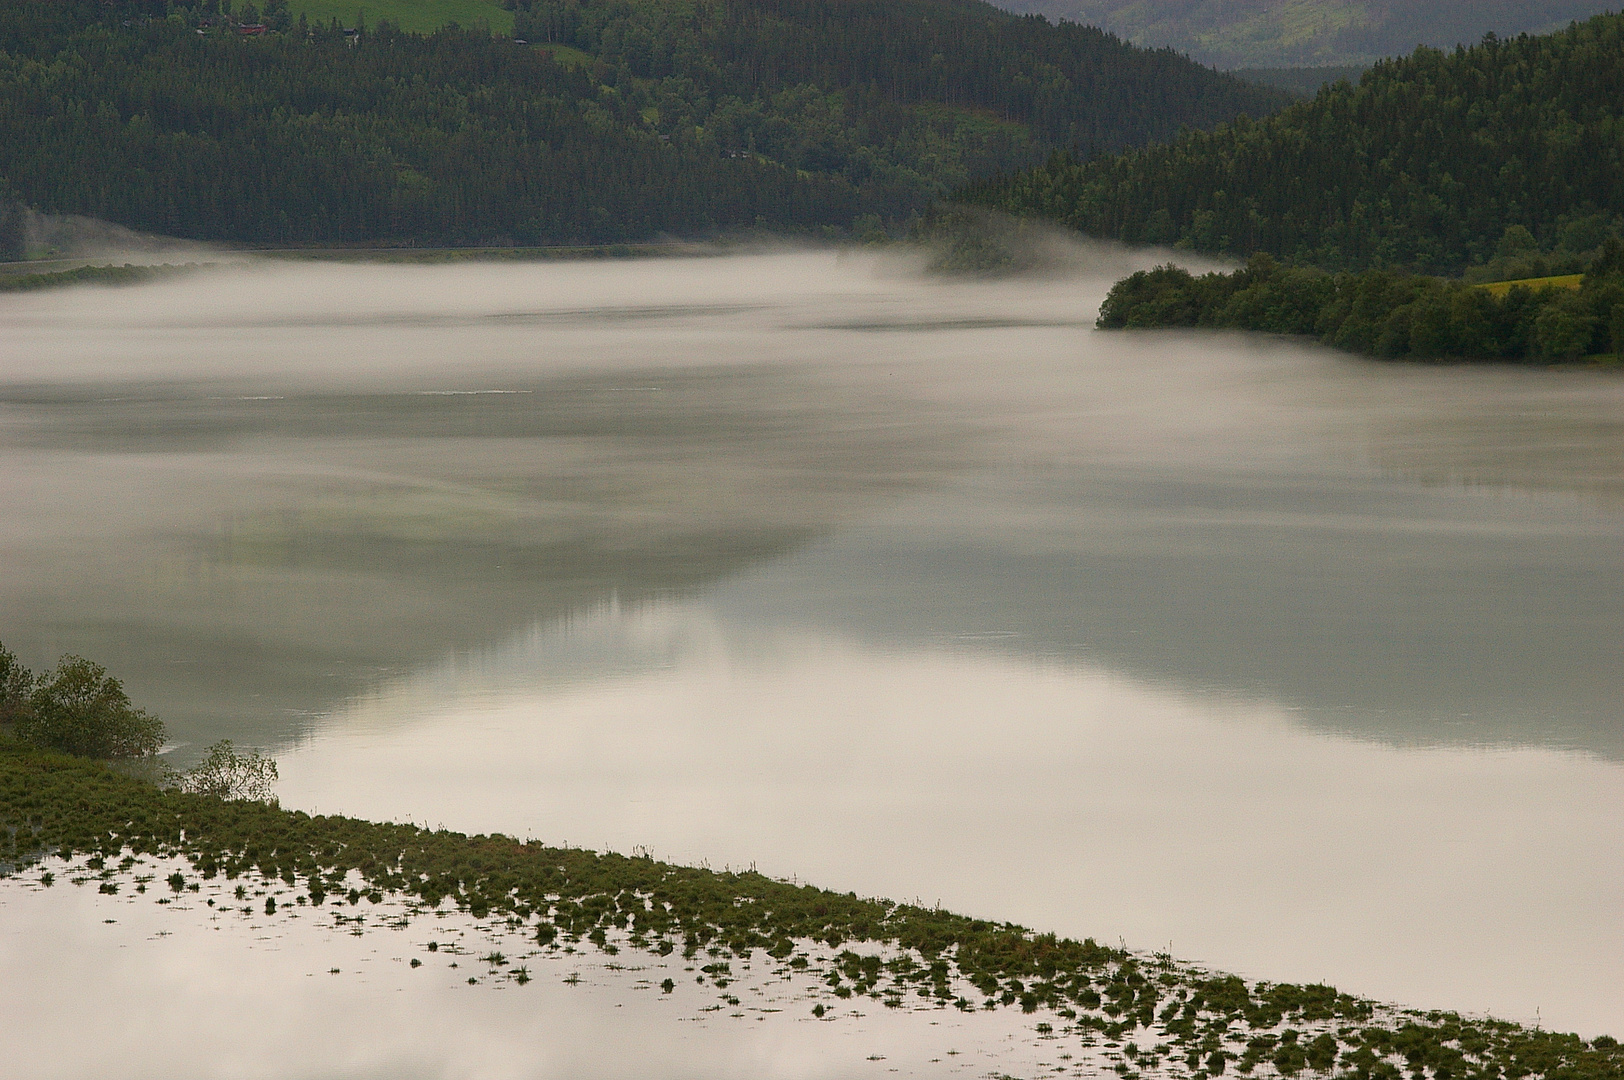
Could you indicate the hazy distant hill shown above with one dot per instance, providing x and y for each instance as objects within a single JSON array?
[
  {"x": 595, "y": 121},
  {"x": 1302, "y": 81},
  {"x": 1281, "y": 33},
  {"x": 1436, "y": 161}
]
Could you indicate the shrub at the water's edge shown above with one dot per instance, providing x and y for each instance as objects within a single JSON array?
[
  {"x": 1388, "y": 314},
  {"x": 53, "y": 804},
  {"x": 16, "y": 686},
  {"x": 226, "y": 774},
  {"x": 80, "y": 709}
]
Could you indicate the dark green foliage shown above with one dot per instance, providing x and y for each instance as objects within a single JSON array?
[
  {"x": 16, "y": 686},
  {"x": 13, "y": 238},
  {"x": 454, "y": 138},
  {"x": 1070, "y": 84},
  {"x": 967, "y": 241},
  {"x": 1383, "y": 313},
  {"x": 80, "y": 709},
  {"x": 1425, "y": 163},
  {"x": 686, "y": 118},
  {"x": 1320, "y": 1054}
]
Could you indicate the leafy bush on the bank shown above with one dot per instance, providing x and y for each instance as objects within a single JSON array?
[
  {"x": 1384, "y": 313},
  {"x": 16, "y": 684},
  {"x": 226, "y": 774},
  {"x": 78, "y": 709}
]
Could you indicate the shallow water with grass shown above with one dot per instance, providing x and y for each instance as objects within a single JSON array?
[{"x": 1280, "y": 661}]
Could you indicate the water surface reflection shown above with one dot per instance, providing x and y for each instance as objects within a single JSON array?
[
  {"x": 1061, "y": 795},
  {"x": 903, "y": 585}
]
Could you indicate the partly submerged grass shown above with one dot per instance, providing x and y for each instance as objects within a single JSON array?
[{"x": 51, "y": 804}]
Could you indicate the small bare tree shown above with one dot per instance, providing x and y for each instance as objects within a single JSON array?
[{"x": 230, "y": 775}]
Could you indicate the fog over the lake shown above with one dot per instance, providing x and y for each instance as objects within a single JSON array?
[{"x": 914, "y": 586}]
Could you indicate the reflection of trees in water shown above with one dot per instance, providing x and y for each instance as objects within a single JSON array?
[
  {"x": 1532, "y": 451},
  {"x": 357, "y": 536},
  {"x": 1364, "y": 608}
]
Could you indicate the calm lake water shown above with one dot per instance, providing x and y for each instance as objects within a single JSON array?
[{"x": 1309, "y": 667}]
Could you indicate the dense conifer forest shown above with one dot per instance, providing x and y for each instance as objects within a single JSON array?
[
  {"x": 1437, "y": 162},
  {"x": 610, "y": 121}
]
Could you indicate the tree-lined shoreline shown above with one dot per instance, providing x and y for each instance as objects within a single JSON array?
[{"x": 1389, "y": 315}]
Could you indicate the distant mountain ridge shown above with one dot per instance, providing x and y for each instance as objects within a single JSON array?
[{"x": 1301, "y": 33}]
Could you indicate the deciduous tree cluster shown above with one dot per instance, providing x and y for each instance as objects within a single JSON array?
[{"x": 1385, "y": 313}]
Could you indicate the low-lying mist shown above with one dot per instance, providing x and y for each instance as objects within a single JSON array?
[{"x": 257, "y": 487}]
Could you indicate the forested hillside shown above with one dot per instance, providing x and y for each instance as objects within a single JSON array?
[
  {"x": 1435, "y": 162},
  {"x": 1273, "y": 33},
  {"x": 614, "y": 121}
]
